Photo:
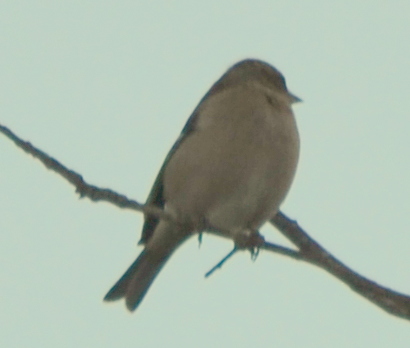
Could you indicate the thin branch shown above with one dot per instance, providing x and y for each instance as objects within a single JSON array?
[
  {"x": 278, "y": 249},
  {"x": 83, "y": 188},
  {"x": 309, "y": 250},
  {"x": 220, "y": 263}
]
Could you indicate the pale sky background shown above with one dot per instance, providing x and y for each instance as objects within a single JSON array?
[{"x": 106, "y": 87}]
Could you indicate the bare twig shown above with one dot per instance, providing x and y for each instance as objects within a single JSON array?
[
  {"x": 84, "y": 189},
  {"x": 220, "y": 263},
  {"x": 309, "y": 250}
]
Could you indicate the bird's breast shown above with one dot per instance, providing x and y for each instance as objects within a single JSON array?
[{"x": 233, "y": 173}]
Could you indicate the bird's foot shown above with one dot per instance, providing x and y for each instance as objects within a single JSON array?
[{"x": 251, "y": 240}]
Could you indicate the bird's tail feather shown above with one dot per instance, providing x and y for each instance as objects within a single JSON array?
[{"x": 135, "y": 282}]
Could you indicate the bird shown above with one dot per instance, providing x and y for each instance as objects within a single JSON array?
[{"x": 230, "y": 169}]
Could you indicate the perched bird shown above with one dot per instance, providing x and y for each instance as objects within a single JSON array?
[{"x": 231, "y": 168}]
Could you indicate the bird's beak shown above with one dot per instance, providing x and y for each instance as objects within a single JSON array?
[{"x": 294, "y": 99}]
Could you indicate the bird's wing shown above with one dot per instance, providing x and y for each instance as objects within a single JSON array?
[{"x": 156, "y": 196}]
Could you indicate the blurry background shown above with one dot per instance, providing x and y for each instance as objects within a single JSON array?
[{"x": 106, "y": 87}]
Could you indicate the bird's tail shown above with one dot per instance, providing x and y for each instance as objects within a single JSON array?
[{"x": 135, "y": 282}]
